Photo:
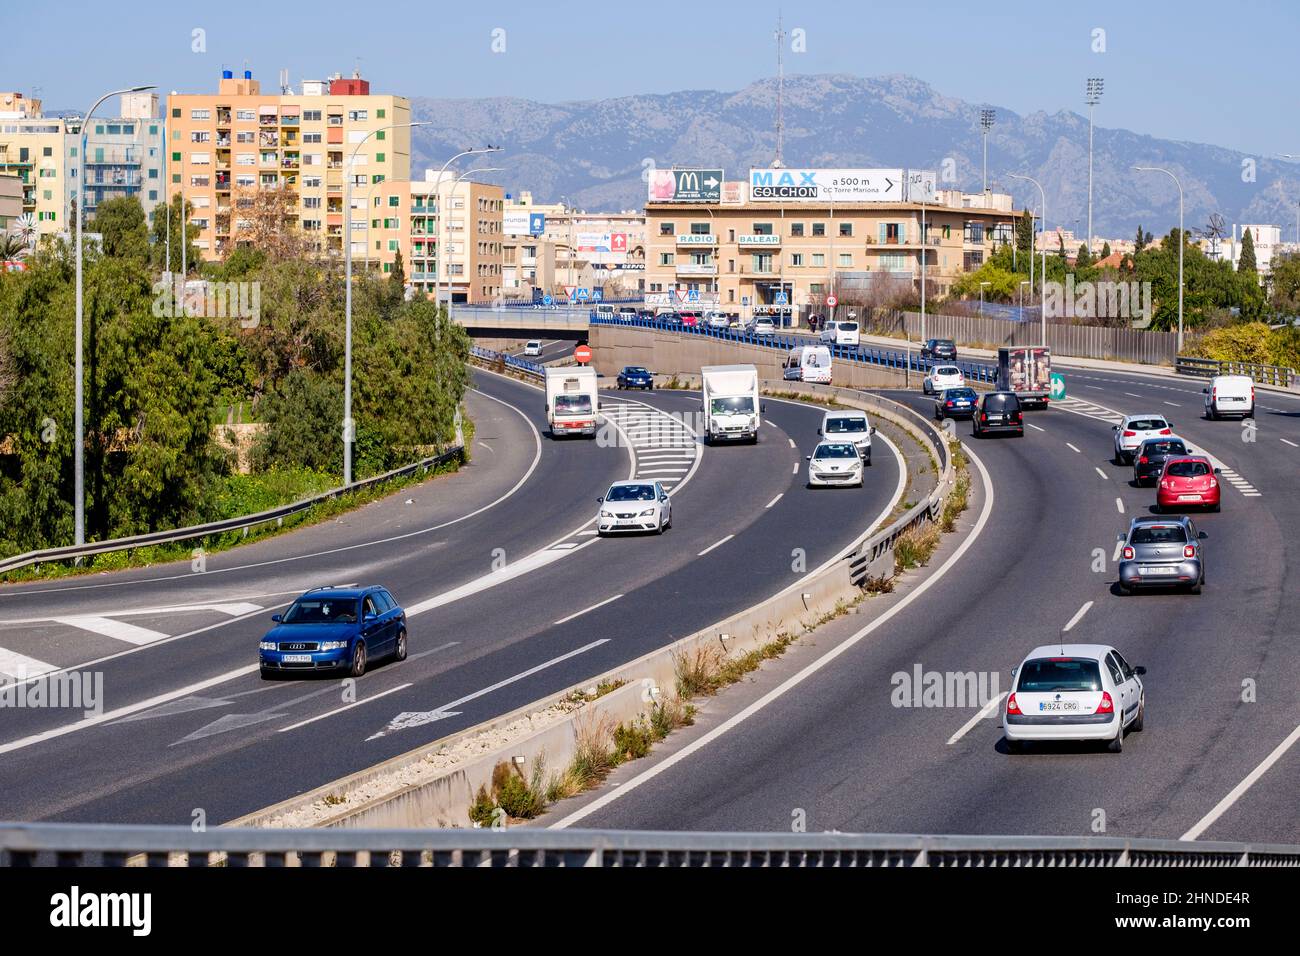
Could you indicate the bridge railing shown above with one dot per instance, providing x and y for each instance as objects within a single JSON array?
[{"x": 1278, "y": 375}]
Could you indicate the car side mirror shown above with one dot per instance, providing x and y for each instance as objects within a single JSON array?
[
  {"x": 277, "y": 618},
  {"x": 819, "y": 431},
  {"x": 1203, "y": 535},
  {"x": 1218, "y": 471},
  {"x": 1013, "y": 671},
  {"x": 1114, "y": 428},
  {"x": 663, "y": 497},
  {"x": 873, "y": 429},
  {"x": 807, "y": 457},
  {"x": 1205, "y": 391},
  {"x": 600, "y": 501},
  {"x": 1140, "y": 671}
]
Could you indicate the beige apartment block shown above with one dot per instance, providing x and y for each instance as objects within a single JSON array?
[
  {"x": 31, "y": 148},
  {"x": 309, "y": 143},
  {"x": 744, "y": 255},
  {"x": 408, "y": 216}
]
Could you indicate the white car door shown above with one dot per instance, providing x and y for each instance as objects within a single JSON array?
[
  {"x": 1123, "y": 686},
  {"x": 665, "y": 504}
]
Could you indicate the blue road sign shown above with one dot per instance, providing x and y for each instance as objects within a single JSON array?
[
  {"x": 583, "y": 295},
  {"x": 536, "y": 223},
  {"x": 596, "y": 295},
  {"x": 548, "y": 299},
  {"x": 693, "y": 295},
  {"x": 782, "y": 298}
]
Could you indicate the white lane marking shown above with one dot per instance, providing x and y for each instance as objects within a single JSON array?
[
  {"x": 1035, "y": 427},
  {"x": 15, "y": 666},
  {"x": 791, "y": 441},
  {"x": 774, "y": 500},
  {"x": 795, "y": 469},
  {"x": 237, "y": 609},
  {"x": 1072, "y": 448},
  {"x": 531, "y": 562},
  {"x": 1236, "y": 792},
  {"x": 417, "y": 718},
  {"x": 566, "y": 620},
  {"x": 985, "y": 711},
  {"x": 646, "y": 472},
  {"x": 537, "y": 457},
  {"x": 1289, "y": 442},
  {"x": 1097, "y": 387},
  {"x": 1119, "y": 505},
  {"x": 798, "y": 678},
  {"x": 1102, "y": 473},
  {"x": 1078, "y": 615},
  {"x": 339, "y": 710},
  {"x": 118, "y": 630},
  {"x": 485, "y": 445},
  {"x": 1173, "y": 404},
  {"x": 564, "y": 546},
  {"x": 715, "y": 545},
  {"x": 121, "y": 712},
  {"x": 590, "y": 532},
  {"x": 770, "y": 422},
  {"x": 1132, "y": 395}
]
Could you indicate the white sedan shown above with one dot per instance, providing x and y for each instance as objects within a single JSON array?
[
  {"x": 634, "y": 506},
  {"x": 1074, "y": 692},
  {"x": 1133, "y": 430},
  {"x": 941, "y": 377},
  {"x": 835, "y": 463}
]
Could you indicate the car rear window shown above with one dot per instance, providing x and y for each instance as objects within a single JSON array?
[
  {"x": 1001, "y": 403},
  {"x": 1159, "y": 534},
  {"x": 1047, "y": 674},
  {"x": 1187, "y": 469},
  {"x": 947, "y": 370},
  {"x": 1164, "y": 448},
  {"x": 1147, "y": 424}
]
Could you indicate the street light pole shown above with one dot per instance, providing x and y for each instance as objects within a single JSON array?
[
  {"x": 1095, "y": 84},
  {"x": 1182, "y": 241},
  {"x": 79, "y": 418},
  {"x": 348, "y": 427},
  {"x": 986, "y": 122},
  {"x": 1021, "y": 290},
  {"x": 1042, "y": 196}
]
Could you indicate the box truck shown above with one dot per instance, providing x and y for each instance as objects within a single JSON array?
[
  {"x": 1027, "y": 371},
  {"x": 572, "y": 401},
  {"x": 731, "y": 406}
]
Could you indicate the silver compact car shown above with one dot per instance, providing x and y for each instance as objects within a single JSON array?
[{"x": 1162, "y": 552}]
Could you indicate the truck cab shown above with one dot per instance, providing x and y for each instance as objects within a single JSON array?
[
  {"x": 731, "y": 405},
  {"x": 572, "y": 401}
]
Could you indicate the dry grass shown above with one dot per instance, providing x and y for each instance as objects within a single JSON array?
[{"x": 913, "y": 547}]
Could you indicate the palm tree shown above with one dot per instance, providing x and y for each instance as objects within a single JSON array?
[{"x": 12, "y": 246}]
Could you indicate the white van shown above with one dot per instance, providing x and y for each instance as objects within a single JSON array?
[
  {"x": 841, "y": 333},
  {"x": 1230, "y": 395},
  {"x": 605, "y": 313},
  {"x": 808, "y": 363},
  {"x": 849, "y": 425}
]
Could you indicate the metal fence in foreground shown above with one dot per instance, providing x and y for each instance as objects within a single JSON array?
[{"x": 54, "y": 844}]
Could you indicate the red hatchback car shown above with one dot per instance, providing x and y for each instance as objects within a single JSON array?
[{"x": 1187, "y": 482}]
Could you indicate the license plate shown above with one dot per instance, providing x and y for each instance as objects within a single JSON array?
[
  {"x": 296, "y": 659},
  {"x": 1157, "y": 571},
  {"x": 995, "y": 419},
  {"x": 627, "y": 521},
  {"x": 1059, "y": 705},
  {"x": 1189, "y": 497}
]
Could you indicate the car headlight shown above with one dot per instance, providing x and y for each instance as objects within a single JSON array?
[
  {"x": 607, "y": 514},
  {"x": 333, "y": 645},
  {"x": 753, "y": 421},
  {"x": 646, "y": 513},
  {"x": 266, "y": 646}
]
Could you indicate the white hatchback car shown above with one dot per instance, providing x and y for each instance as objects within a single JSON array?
[
  {"x": 835, "y": 463},
  {"x": 533, "y": 348},
  {"x": 941, "y": 377},
  {"x": 1133, "y": 430},
  {"x": 1074, "y": 692},
  {"x": 634, "y": 506}
]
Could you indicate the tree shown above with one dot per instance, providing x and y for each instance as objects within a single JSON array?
[
  {"x": 1105, "y": 250},
  {"x": 1024, "y": 236},
  {"x": 121, "y": 225},
  {"x": 267, "y": 221},
  {"x": 1082, "y": 259},
  {"x": 1284, "y": 285},
  {"x": 1246, "y": 261},
  {"x": 397, "y": 278},
  {"x": 1142, "y": 241}
]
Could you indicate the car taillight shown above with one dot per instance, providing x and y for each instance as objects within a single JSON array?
[
  {"x": 1129, "y": 434},
  {"x": 1165, "y": 431},
  {"x": 1189, "y": 551},
  {"x": 1107, "y": 706},
  {"x": 950, "y": 403},
  {"x": 1252, "y": 395},
  {"x": 1214, "y": 393},
  {"x": 1012, "y": 706},
  {"x": 984, "y": 416},
  {"x": 1128, "y": 554},
  {"x": 1144, "y": 460}
]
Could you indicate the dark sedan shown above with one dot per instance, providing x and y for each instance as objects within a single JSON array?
[
  {"x": 634, "y": 376},
  {"x": 998, "y": 412},
  {"x": 944, "y": 350},
  {"x": 956, "y": 403},
  {"x": 1150, "y": 457}
]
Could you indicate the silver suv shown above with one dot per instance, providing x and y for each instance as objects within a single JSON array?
[{"x": 1162, "y": 552}]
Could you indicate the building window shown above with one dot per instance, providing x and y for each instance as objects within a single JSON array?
[
  {"x": 796, "y": 229},
  {"x": 245, "y": 116},
  {"x": 176, "y": 113},
  {"x": 176, "y": 157},
  {"x": 975, "y": 233},
  {"x": 762, "y": 229},
  {"x": 153, "y": 173},
  {"x": 379, "y": 157},
  {"x": 311, "y": 202},
  {"x": 846, "y": 230},
  {"x": 380, "y": 114},
  {"x": 665, "y": 258},
  {"x": 819, "y": 229},
  {"x": 380, "y": 134},
  {"x": 200, "y": 114},
  {"x": 49, "y": 151},
  {"x": 819, "y": 260},
  {"x": 796, "y": 259},
  {"x": 700, "y": 229},
  {"x": 394, "y": 201},
  {"x": 153, "y": 195},
  {"x": 358, "y": 116},
  {"x": 200, "y": 136},
  {"x": 311, "y": 116},
  {"x": 846, "y": 259},
  {"x": 667, "y": 229},
  {"x": 311, "y": 137}
]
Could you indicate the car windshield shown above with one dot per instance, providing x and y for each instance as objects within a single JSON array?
[
  {"x": 740, "y": 405},
  {"x": 322, "y": 611},
  {"x": 837, "y": 450},
  {"x": 845, "y": 424},
  {"x": 1187, "y": 469},
  {"x": 1164, "y": 448},
  {"x": 1159, "y": 534},
  {"x": 1048, "y": 674},
  {"x": 958, "y": 393},
  {"x": 634, "y": 370},
  {"x": 1001, "y": 403},
  {"x": 573, "y": 404},
  {"x": 631, "y": 493},
  {"x": 1147, "y": 424}
]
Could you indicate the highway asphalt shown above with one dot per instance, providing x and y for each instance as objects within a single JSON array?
[
  {"x": 511, "y": 599},
  {"x": 1223, "y": 667}
]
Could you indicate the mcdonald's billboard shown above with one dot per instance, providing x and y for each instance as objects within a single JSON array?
[{"x": 685, "y": 185}]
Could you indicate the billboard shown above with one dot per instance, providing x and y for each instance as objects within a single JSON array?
[
  {"x": 521, "y": 222},
  {"x": 685, "y": 185},
  {"x": 826, "y": 185},
  {"x": 602, "y": 246}
]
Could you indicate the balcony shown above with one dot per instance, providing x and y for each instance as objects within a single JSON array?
[{"x": 268, "y": 119}]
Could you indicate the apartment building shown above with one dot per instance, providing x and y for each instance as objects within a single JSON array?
[
  {"x": 449, "y": 235},
  {"x": 223, "y": 146},
  {"x": 32, "y": 148},
  {"x": 783, "y": 257},
  {"x": 11, "y": 201},
  {"x": 124, "y": 155}
]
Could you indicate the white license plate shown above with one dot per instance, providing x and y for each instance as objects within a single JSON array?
[
  {"x": 1189, "y": 497},
  {"x": 1059, "y": 705},
  {"x": 627, "y": 521},
  {"x": 296, "y": 659},
  {"x": 1157, "y": 571}
]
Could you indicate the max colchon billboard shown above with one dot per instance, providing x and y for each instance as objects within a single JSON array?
[{"x": 826, "y": 185}]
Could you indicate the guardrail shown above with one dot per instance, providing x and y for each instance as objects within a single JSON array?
[
  {"x": 1278, "y": 375},
  {"x": 218, "y": 527},
  {"x": 885, "y": 358},
  {"x": 494, "y": 357},
  {"x": 66, "y": 844}
]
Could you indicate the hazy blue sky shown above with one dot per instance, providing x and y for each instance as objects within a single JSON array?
[{"x": 1214, "y": 72}]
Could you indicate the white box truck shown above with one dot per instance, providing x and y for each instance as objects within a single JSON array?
[
  {"x": 1027, "y": 371},
  {"x": 731, "y": 405},
  {"x": 572, "y": 401}
]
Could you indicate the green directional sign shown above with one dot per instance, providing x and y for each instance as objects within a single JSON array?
[{"x": 1058, "y": 386}]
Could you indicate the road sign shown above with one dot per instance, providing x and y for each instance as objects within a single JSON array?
[
  {"x": 583, "y": 295},
  {"x": 597, "y": 295},
  {"x": 548, "y": 299},
  {"x": 536, "y": 223},
  {"x": 831, "y": 301},
  {"x": 693, "y": 295},
  {"x": 782, "y": 299},
  {"x": 569, "y": 291},
  {"x": 582, "y": 355},
  {"x": 744, "y": 300},
  {"x": 1058, "y": 387}
]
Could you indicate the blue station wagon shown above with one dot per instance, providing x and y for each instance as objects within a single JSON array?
[{"x": 334, "y": 629}]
